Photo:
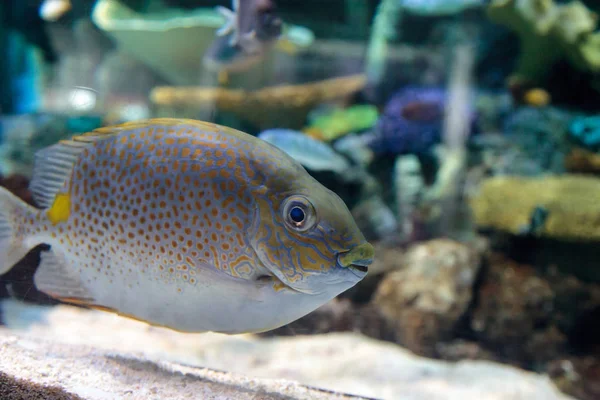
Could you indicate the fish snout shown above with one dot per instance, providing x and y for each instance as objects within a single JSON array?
[{"x": 357, "y": 259}]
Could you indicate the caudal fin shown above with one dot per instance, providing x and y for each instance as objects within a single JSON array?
[{"x": 12, "y": 240}]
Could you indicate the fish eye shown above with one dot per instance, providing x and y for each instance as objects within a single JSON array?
[{"x": 299, "y": 214}]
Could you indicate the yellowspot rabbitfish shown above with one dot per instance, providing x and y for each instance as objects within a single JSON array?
[{"x": 183, "y": 224}]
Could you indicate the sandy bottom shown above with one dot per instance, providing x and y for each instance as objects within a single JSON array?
[{"x": 99, "y": 355}]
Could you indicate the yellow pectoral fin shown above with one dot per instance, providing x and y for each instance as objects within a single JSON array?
[{"x": 61, "y": 208}]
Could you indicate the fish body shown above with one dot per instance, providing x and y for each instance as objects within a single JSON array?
[
  {"x": 252, "y": 24},
  {"x": 184, "y": 224},
  {"x": 311, "y": 153},
  {"x": 223, "y": 57},
  {"x": 537, "y": 222},
  {"x": 252, "y": 27}
]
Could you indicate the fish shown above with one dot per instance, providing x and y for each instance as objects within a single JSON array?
[
  {"x": 251, "y": 24},
  {"x": 183, "y": 224},
  {"x": 537, "y": 222},
  {"x": 440, "y": 7},
  {"x": 311, "y": 153},
  {"x": 251, "y": 28}
]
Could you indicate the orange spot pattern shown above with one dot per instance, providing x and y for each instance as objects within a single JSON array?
[{"x": 162, "y": 201}]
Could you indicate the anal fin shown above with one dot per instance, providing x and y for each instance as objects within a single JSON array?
[{"x": 59, "y": 280}]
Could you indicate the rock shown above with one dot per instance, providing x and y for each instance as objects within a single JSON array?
[
  {"x": 458, "y": 350},
  {"x": 98, "y": 355},
  {"x": 533, "y": 318},
  {"x": 426, "y": 298},
  {"x": 577, "y": 376},
  {"x": 389, "y": 258},
  {"x": 512, "y": 300}
]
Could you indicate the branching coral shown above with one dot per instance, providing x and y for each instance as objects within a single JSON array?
[{"x": 550, "y": 32}]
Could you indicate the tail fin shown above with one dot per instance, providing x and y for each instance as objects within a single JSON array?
[{"x": 12, "y": 245}]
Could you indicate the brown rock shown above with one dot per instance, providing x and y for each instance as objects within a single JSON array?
[
  {"x": 512, "y": 301},
  {"x": 425, "y": 299},
  {"x": 531, "y": 317},
  {"x": 578, "y": 377}
]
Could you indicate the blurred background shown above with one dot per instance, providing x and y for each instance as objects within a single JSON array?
[{"x": 464, "y": 135}]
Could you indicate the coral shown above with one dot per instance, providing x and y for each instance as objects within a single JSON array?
[
  {"x": 506, "y": 204},
  {"x": 383, "y": 31},
  {"x": 540, "y": 136},
  {"x": 161, "y": 40},
  {"x": 548, "y": 33},
  {"x": 338, "y": 122},
  {"x": 585, "y": 130},
  {"x": 271, "y": 107},
  {"x": 411, "y": 122}
]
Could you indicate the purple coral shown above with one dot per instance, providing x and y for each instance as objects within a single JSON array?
[{"x": 411, "y": 123}]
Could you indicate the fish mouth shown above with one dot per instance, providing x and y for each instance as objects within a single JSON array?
[{"x": 358, "y": 259}]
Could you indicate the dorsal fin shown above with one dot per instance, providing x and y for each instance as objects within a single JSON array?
[{"x": 53, "y": 165}]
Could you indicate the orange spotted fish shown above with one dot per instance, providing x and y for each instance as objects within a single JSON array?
[{"x": 183, "y": 224}]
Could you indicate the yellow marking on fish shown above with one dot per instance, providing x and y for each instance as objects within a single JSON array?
[
  {"x": 223, "y": 78},
  {"x": 60, "y": 210}
]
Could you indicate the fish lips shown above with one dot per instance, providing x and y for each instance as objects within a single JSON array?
[{"x": 357, "y": 260}]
